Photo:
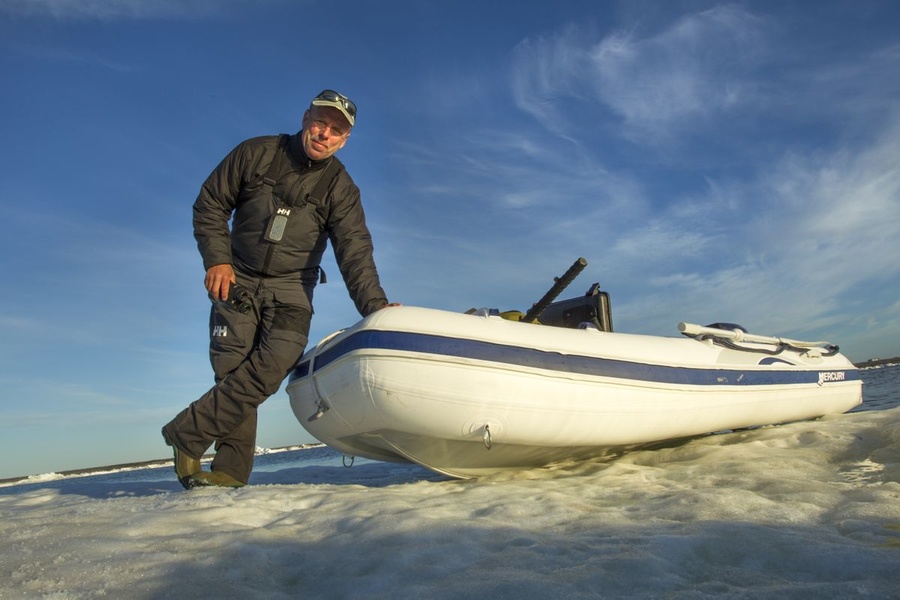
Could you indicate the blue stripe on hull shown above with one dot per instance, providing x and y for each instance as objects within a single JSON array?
[{"x": 567, "y": 363}]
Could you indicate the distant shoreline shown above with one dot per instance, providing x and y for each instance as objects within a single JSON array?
[
  {"x": 157, "y": 462},
  {"x": 878, "y": 362}
]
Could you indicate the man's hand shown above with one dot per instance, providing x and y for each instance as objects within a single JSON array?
[{"x": 218, "y": 279}]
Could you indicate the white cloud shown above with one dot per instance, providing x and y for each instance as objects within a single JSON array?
[
  {"x": 696, "y": 67},
  {"x": 79, "y": 57},
  {"x": 659, "y": 85},
  {"x": 852, "y": 86},
  {"x": 113, "y": 9},
  {"x": 817, "y": 232},
  {"x": 790, "y": 238},
  {"x": 663, "y": 242}
]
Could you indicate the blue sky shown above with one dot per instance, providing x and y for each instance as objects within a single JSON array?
[{"x": 712, "y": 161}]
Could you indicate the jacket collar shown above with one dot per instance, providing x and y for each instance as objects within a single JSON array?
[{"x": 298, "y": 155}]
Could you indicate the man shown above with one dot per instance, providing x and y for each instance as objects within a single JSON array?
[{"x": 287, "y": 195}]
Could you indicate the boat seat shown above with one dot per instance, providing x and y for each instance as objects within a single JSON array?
[{"x": 593, "y": 308}]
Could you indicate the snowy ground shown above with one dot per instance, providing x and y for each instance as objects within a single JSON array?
[{"x": 807, "y": 510}]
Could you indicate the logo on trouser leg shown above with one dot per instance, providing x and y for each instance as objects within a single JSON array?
[{"x": 220, "y": 331}]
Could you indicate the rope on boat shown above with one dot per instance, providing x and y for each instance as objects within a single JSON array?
[{"x": 728, "y": 337}]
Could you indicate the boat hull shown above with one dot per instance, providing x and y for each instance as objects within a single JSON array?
[{"x": 468, "y": 395}]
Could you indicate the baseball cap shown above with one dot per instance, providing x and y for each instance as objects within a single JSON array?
[{"x": 339, "y": 101}]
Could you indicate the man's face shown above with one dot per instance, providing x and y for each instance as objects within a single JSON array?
[{"x": 325, "y": 131}]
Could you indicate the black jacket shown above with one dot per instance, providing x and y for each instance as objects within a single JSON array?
[{"x": 235, "y": 190}]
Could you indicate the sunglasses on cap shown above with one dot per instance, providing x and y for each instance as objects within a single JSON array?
[{"x": 339, "y": 101}]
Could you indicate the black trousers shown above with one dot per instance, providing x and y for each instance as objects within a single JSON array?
[{"x": 251, "y": 354}]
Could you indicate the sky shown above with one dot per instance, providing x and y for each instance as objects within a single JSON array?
[{"x": 712, "y": 161}]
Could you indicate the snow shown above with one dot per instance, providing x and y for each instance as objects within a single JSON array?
[{"x": 804, "y": 510}]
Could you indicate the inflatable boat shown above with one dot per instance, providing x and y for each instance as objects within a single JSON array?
[{"x": 470, "y": 394}]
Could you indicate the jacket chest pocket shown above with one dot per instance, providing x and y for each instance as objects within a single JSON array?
[
  {"x": 315, "y": 214},
  {"x": 249, "y": 191},
  {"x": 305, "y": 208}
]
